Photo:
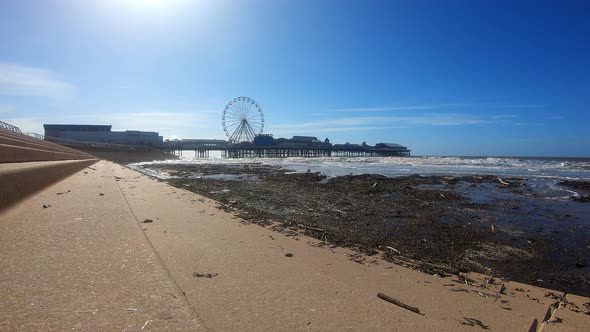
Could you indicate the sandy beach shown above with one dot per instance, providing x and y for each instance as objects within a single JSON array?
[
  {"x": 298, "y": 282},
  {"x": 434, "y": 224},
  {"x": 146, "y": 252}
]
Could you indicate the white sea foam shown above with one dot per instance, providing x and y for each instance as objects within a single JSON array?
[{"x": 397, "y": 166}]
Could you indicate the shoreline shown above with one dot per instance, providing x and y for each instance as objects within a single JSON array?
[
  {"x": 238, "y": 275},
  {"x": 413, "y": 221}
]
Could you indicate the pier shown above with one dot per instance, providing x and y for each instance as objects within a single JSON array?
[{"x": 298, "y": 146}]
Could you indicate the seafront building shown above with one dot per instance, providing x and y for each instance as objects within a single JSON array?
[{"x": 101, "y": 134}]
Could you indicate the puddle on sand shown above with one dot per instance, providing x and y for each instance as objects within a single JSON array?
[{"x": 539, "y": 208}]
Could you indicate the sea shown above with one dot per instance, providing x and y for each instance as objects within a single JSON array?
[
  {"x": 542, "y": 175},
  {"x": 544, "y": 170}
]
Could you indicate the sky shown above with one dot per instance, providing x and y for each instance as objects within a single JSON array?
[{"x": 498, "y": 78}]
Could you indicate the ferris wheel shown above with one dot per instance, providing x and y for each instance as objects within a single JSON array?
[{"x": 242, "y": 120}]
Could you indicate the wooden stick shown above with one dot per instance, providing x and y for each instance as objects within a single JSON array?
[
  {"x": 393, "y": 249},
  {"x": 312, "y": 228},
  {"x": 484, "y": 294},
  {"x": 340, "y": 211},
  {"x": 398, "y": 303}
]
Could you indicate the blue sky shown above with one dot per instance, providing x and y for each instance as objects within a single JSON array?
[{"x": 443, "y": 78}]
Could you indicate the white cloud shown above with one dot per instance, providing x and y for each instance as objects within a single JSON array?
[
  {"x": 180, "y": 123},
  {"x": 422, "y": 107},
  {"x": 27, "y": 125},
  {"x": 373, "y": 123},
  {"x": 384, "y": 109},
  {"x": 5, "y": 108},
  {"x": 523, "y": 106},
  {"x": 377, "y": 122},
  {"x": 322, "y": 130},
  {"x": 504, "y": 116},
  {"x": 19, "y": 80}
]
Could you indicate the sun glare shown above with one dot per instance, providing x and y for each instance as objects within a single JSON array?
[
  {"x": 148, "y": 3},
  {"x": 155, "y": 6}
]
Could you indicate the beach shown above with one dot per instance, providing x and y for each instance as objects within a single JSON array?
[
  {"x": 116, "y": 248},
  {"x": 437, "y": 224}
]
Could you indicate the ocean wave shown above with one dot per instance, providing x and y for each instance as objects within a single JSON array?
[{"x": 398, "y": 166}]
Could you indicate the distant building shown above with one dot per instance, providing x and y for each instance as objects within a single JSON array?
[
  {"x": 392, "y": 146},
  {"x": 346, "y": 149},
  {"x": 102, "y": 134},
  {"x": 300, "y": 141},
  {"x": 263, "y": 140},
  {"x": 304, "y": 139},
  {"x": 392, "y": 149}
]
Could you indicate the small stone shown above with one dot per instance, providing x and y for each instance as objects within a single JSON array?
[
  {"x": 289, "y": 255},
  {"x": 166, "y": 316}
]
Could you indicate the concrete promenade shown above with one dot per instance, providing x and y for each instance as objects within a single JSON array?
[
  {"x": 82, "y": 262},
  {"x": 87, "y": 262}
]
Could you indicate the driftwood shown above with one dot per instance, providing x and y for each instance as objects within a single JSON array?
[
  {"x": 398, "y": 303},
  {"x": 312, "y": 228},
  {"x": 393, "y": 249},
  {"x": 502, "y": 181},
  {"x": 486, "y": 295},
  {"x": 447, "y": 269},
  {"x": 340, "y": 211}
]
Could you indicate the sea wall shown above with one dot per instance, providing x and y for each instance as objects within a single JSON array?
[{"x": 28, "y": 165}]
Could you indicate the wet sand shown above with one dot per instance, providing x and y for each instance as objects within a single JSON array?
[{"x": 438, "y": 225}]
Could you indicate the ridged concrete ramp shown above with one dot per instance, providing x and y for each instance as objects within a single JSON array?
[
  {"x": 28, "y": 165},
  {"x": 17, "y": 147}
]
